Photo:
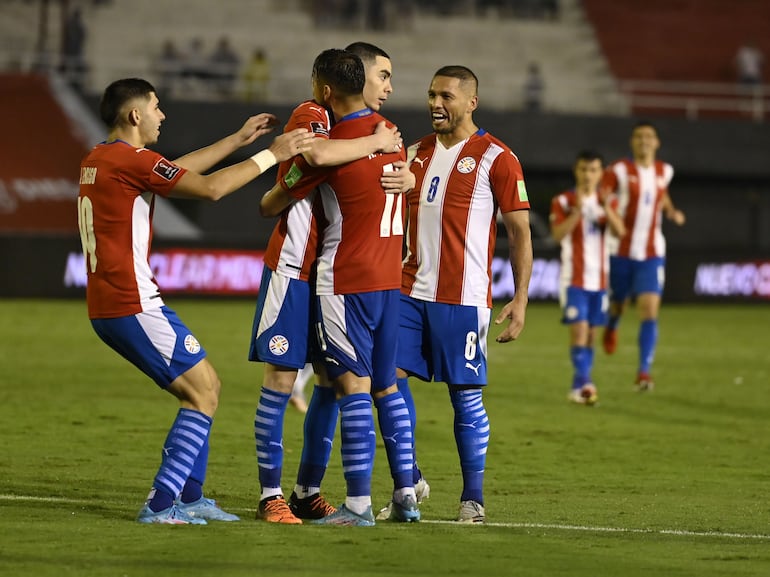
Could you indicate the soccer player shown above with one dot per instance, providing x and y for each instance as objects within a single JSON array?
[
  {"x": 463, "y": 175},
  {"x": 359, "y": 270},
  {"x": 637, "y": 261},
  {"x": 281, "y": 335},
  {"x": 579, "y": 222},
  {"x": 118, "y": 181}
]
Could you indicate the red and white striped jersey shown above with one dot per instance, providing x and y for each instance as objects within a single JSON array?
[
  {"x": 116, "y": 226},
  {"x": 293, "y": 244},
  {"x": 640, "y": 192},
  {"x": 452, "y": 212},
  {"x": 584, "y": 258},
  {"x": 363, "y": 239}
]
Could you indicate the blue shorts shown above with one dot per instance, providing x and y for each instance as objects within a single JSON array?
[
  {"x": 629, "y": 278},
  {"x": 580, "y": 305},
  {"x": 442, "y": 342},
  {"x": 358, "y": 332},
  {"x": 282, "y": 320},
  {"x": 155, "y": 341}
]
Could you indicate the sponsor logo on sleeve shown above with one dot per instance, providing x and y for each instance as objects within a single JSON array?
[
  {"x": 165, "y": 169},
  {"x": 319, "y": 128}
]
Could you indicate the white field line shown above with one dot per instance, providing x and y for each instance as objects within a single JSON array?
[{"x": 551, "y": 526}]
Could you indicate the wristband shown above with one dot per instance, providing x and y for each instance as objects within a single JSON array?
[{"x": 264, "y": 159}]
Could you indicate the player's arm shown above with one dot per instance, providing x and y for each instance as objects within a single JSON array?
[
  {"x": 204, "y": 158},
  {"x": 275, "y": 201},
  {"x": 333, "y": 152},
  {"x": 614, "y": 220},
  {"x": 672, "y": 213},
  {"x": 227, "y": 180},
  {"x": 520, "y": 252},
  {"x": 564, "y": 222}
]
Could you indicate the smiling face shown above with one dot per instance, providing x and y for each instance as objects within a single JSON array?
[
  {"x": 378, "y": 82},
  {"x": 451, "y": 102},
  {"x": 146, "y": 114}
]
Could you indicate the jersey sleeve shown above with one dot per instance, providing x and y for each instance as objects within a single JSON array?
[
  {"x": 559, "y": 205},
  {"x": 507, "y": 179},
  {"x": 152, "y": 172},
  {"x": 609, "y": 183},
  {"x": 301, "y": 178}
]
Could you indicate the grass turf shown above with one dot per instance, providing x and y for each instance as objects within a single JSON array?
[{"x": 671, "y": 483}]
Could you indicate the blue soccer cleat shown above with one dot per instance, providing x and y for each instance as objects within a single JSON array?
[
  {"x": 206, "y": 509},
  {"x": 171, "y": 516},
  {"x": 344, "y": 516},
  {"x": 404, "y": 512}
]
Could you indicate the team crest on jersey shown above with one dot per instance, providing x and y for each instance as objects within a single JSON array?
[
  {"x": 319, "y": 128},
  {"x": 466, "y": 164},
  {"x": 571, "y": 313},
  {"x": 279, "y": 345},
  {"x": 165, "y": 169},
  {"x": 192, "y": 345}
]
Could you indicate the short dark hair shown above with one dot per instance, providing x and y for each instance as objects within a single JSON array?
[
  {"x": 464, "y": 73},
  {"x": 644, "y": 124},
  {"x": 340, "y": 69},
  {"x": 368, "y": 53},
  {"x": 589, "y": 155},
  {"x": 117, "y": 94}
]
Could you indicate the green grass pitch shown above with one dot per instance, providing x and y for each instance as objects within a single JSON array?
[{"x": 671, "y": 483}]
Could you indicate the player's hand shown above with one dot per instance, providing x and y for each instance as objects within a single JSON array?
[
  {"x": 677, "y": 216},
  {"x": 516, "y": 312},
  {"x": 398, "y": 181},
  {"x": 291, "y": 143},
  {"x": 388, "y": 139},
  {"x": 254, "y": 127}
]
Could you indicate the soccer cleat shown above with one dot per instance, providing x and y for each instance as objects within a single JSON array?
[
  {"x": 610, "y": 340},
  {"x": 171, "y": 516},
  {"x": 276, "y": 510},
  {"x": 421, "y": 490},
  {"x": 206, "y": 509},
  {"x": 405, "y": 512},
  {"x": 589, "y": 394},
  {"x": 312, "y": 507},
  {"x": 299, "y": 403},
  {"x": 576, "y": 396},
  {"x": 470, "y": 512},
  {"x": 344, "y": 516},
  {"x": 644, "y": 382}
]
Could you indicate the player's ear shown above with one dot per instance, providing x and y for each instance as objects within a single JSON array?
[{"x": 133, "y": 117}]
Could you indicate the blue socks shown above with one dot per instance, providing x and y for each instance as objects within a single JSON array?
[
  {"x": 193, "y": 488},
  {"x": 268, "y": 434},
  {"x": 184, "y": 443},
  {"x": 396, "y": 431},
  {"x": 357, "y": 443},
  {"x": 648, "y": 339},
  {"x": 320, "y": 426},
  {"x": 406, "y": 392},
  {"x": 582, "y": 361},
  {"x": 471, "y": 428}
]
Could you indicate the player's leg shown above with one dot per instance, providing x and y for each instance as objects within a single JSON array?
[
  {"x": 279, "y": 340},
  {"x": 574, "y": 303},
  {"x": 620, "y": 286},
  {"x": 393, "y": 413},
  {"x": 320, "y": 425},
  {"x": 162, "y": 347},
  {"x": 346, "y": 337},
  {"x": 297, "y": 399},
  {"x": 459, "y": 346},
  {"x": 648, "y": 286}
]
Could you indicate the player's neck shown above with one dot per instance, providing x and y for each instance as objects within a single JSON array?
[
  {"x": 344, "y": 106},
  {"x": 644, "y": 161},
  {"x": 129, "y": 136},
  {"x": 459, "y": 134}
]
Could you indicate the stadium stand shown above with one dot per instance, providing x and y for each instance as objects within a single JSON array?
[{"x": 679, "y": 57}]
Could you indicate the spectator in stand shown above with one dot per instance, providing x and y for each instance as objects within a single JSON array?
[
  {"x": 533, "y": 89},
  {"x": 73, "y": 64},
  {"x": 256, "y": 77},
  {"x": 169, "y": 69},
  {"x": 749, "y": 61},
  {"x": 224, "y": 64}
]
